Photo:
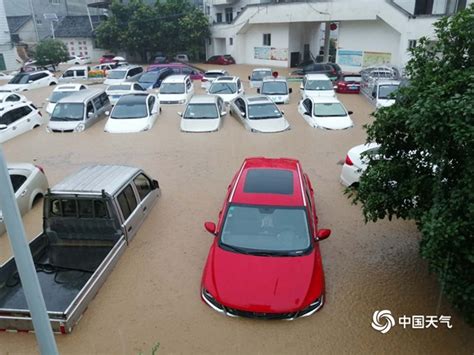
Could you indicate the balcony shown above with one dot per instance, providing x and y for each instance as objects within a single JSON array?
[
  {"x": 224, "y": 2},
  {"x": 415, "y": 8}
]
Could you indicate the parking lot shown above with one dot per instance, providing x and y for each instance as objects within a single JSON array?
[{"x": 152, "y": 296}]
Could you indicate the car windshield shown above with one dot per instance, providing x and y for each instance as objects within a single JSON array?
[
  {"x": 223, "y": 88},
  {"x": 357, "y": 79},
  {"x": 172, "y": 88},
  {"x": 58, "y": 95},
  {"x": 266, "y": 230},
  {"x": 263, "y": 111},
  {"x": 68, "y": 112},
  {"x": 274, "y": 88},
  {"x": 201, "y": 111},
  {"x": 20, "y": 79},
  {"x": 318, "y": 85},
  {"x": 385, "y": 91},
  {"x": 129, "y": 110},
  {"x": 116, "y": 74},
  {"x": 260, "y": 74},
  {"x": 213, "y": 74},
  {"x": 149, "y": 77},
  {"x": 333, "y": 109},
  {"x": 123, "y": 87}
]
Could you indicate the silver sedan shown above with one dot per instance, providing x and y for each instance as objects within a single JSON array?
[{"x": 29, "y": 184}]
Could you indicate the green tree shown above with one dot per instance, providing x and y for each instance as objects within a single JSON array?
[
  {"x": 427, "y": 139},
  {"x": 170, "y": 26},
  {"x": 51, "y": 51}
]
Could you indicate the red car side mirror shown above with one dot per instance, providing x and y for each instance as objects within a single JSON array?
[
  {"x": 210, "y": 227},
  {"x": 323, "y": 234}
]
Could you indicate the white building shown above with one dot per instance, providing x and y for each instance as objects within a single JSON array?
[
  {"x": 9, "y": 59},
  {"x": 282, "y": 33}
]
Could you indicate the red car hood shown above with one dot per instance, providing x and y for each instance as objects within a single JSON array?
[{"x": 264, "y": 283}]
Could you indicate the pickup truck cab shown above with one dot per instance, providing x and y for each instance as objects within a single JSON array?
[{"x": 89, "y": 219}]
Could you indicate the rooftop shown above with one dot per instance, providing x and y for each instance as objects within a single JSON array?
[
  {"x": 77, "y": 26},
  {"x": 15, "y": 23}
]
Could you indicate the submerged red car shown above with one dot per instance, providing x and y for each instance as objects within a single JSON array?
[
  {"x": 265, "y": 261},
  {"x": 348, "y": 84},
  {"x": 221, "y": 60}
]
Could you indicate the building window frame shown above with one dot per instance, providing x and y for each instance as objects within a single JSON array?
[
  {"x": 267, "y": 39},
  {"x": 219, "y": 17},
  {"x": 231, "y": 41}
]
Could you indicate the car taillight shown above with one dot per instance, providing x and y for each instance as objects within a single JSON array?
[
  {"x": 40, "y": 168},
  {"x": 348, "y": 160}
]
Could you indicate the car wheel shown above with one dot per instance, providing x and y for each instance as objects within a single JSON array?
[
  {"x": 52, "y": 83},
  {"x": 36, "y": 126},
  {"x": 76, "y": 63}
]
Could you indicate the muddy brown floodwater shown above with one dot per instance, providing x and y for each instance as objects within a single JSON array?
[{"x": 152, "y": 296}]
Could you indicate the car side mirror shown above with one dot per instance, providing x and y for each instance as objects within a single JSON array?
[
  {"x": 242, "y": 113},
  {"x": 3, "y": 126},
  {"x": 350, "y": 112},
  {"x": 180, "y": 114},
  {"x": 249, "y": 77},
  {"x": 258, "y": 90},
  {"x": 373, "y": 95},
  {"x": 30, "y": 81},
  {"x": 223, "y": 113},
  {"x": 47, "y": 99},
  {"x": 210, "y": 227},
  {"x": 323, "y": 234},
  {"x": 155, "y": 184},
  {"x": 107, "y": 113},
  {"x": 90, "y": 114},
  {"x": 290, "y": 90},
  {"x": 301, "y": 86}
]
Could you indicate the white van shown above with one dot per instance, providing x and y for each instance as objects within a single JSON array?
[
  {"x": 78, "y": 111},
  {"x": 276, "y": 89},
  {"x": 176, "y": 89},
  {"x": 78, "y": 72},
  {"x": 125, "y": 73}
]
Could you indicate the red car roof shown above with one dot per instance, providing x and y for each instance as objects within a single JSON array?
[{"x": 266, "y": 181}]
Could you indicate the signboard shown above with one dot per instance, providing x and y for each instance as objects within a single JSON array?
[
  {"x": 270, "y": 53},
  {"x": 349, "y": 58},
  {"x": 376, "y": 58}
]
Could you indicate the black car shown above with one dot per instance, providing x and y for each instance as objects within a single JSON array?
[{"x": 318, "y": 68}]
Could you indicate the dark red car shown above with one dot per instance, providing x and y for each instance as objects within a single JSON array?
[
  {"x": 265, "y": 261},
  {"x": 221, "y": 60},
  {"x": 106, "y": 58},
  {"x": 348, "y": 84}
]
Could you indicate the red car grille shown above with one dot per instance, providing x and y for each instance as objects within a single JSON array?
[{"x": 258, "y": 315}]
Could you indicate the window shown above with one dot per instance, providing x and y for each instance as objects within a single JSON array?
[
  {"x": 38, "y": 20},
  {"x": 143, "y": 185},
  {"x": 411, "y": 43},
  {"x": 90, "y": 109},
  {"x": 151, "y": 103},
  {"x": 80, "y": 73},
  {"x": 208, "y": 10},
  {"x": 17, "y": 181},
  {"x": 127, "y": 202},
  {"x": 231, "y": 41},
  {"x": 68, "y": 74},
  {"x": 219, "y": 17},
  {"x": 85, "y": 209},
  {"x": 97, "y": 103},
  {"x": 13, "y": 98},
  {"x": 104, "y": 98},
  {"x": 137, "y": 87},
  {"x": 188, "y": 85},
  {"x": 267, "y": 39},
  {"x": 229, "y": 16}
]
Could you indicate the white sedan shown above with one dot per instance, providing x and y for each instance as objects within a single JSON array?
[
  {"x": 203, "y": 114},
  {"x": 62, "y": 91},
  {"x": 115, "y": 91},
  {"x": 325, "y": 112},
  {"x": 78, "y": 60},
  {"x": 133, "y": 113},
  {"x": 30, "y": 81},
  {"x": 259, "y": 114},
  {"x": 355, "y": 163},
  {"x": 17, "y": 118},
  {"x": 11, "y": 97},
  {"x": 29, "y": 184}
]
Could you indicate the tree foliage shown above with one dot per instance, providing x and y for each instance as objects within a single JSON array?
[
  {"x": 427, "y": 141},
  {"x": 169, "y": 26},
  {"x": 51, "y": 51}
]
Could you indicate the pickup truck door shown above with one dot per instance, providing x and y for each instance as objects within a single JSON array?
[
  {"x": 146, "y": 192},
  {"x": 132, "y": 216}
]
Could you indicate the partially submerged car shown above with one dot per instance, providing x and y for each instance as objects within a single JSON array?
[
  {"x": 314, "y": 85},
  {"x": 356, "y": 163},
  {"x": 276, "y": 89},
  {"x": 30, "y": 81},
  {"x": 61, "y": 91},
  {"x": 325, "y": 112},
  {"x": 257, "y": 76},
  {"x": 203, "y": 113},
  {"x": 227, "y": 88},
  {"x": 259, "y": 114},
  {"x": 265, "y": 261}
]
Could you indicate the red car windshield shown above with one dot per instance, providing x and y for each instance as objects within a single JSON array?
[{"x": 266, "y": 230}]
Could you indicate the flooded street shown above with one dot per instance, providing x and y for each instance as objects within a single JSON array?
[{"x": 153, "y": 296}]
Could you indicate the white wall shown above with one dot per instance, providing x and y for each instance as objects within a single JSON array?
[
  {"x": 373, "y": 36},
  {"x": 27, "y": 33},
  {"x": 10, "y": 55},
  {"x": 77, "y": 47},
  {"x": 254, "y": 38}
]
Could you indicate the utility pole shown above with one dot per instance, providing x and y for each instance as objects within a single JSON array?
[
  {"x": 33, "y": 16},
  {"x": 327, "y": 34},
  {"x": 24, "y": 263}
]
